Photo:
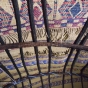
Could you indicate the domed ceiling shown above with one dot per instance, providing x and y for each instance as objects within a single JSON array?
[{"x": 43, "y": 65}]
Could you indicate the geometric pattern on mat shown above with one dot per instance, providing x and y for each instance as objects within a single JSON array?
[
  {"x": 5, "y": 18},
  {"x": 31, "y": 63},
  {"x": 67, "y": 11}
]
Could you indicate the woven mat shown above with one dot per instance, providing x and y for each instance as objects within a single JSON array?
[{"x": 66, "y": 19}]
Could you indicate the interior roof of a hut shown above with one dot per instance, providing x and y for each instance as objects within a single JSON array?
[{"x": 43, "y": 44}]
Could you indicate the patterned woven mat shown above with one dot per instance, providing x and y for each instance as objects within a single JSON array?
[{"x": 66, "y": 19}]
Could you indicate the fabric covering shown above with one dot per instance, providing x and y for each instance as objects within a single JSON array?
[{"x": 66, "y": 19}]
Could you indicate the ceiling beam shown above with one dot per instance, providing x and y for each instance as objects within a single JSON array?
[{"x": 32, "y": 44}]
